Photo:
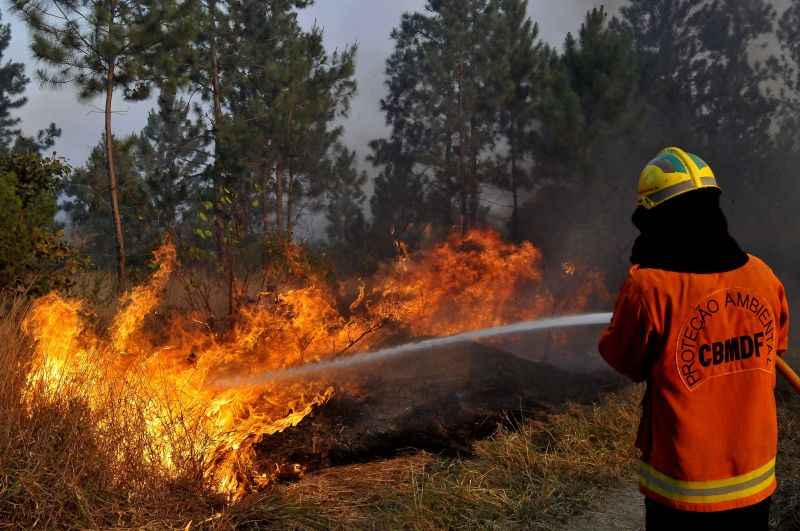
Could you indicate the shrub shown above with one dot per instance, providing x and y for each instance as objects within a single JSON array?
[{"x": 34, "y": 258}]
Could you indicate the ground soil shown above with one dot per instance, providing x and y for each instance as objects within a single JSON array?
[{"x": 621, "y": 510}]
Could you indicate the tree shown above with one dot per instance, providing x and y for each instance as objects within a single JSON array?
[
  {"x": 284, "y": 93},
  {"x": 34, "y": 258},
  {"x": 707, "y": 86},
  {"x": 13, "y": 83},
  {"x": 589, "y": 109},
  {"x": 90, "y": 211},
  {"x": 439, "y": 103},
  {"x": 399, "y": 203},
  {"x": 171, "y": 157},
  {"x": 789, "y": 37},
  {"x": 275, "y": 94},
  {"x": 520, "y": 90},
  {"x": 700, "y": 82},
  {"x": 101, "y": 46},
  {"x": 345, "y": 201},
  {"x": 44, "y": 140},
  {"x": 600, "y": 69}
]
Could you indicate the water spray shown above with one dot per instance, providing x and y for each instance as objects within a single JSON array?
[{"x": 570, "y": 321}]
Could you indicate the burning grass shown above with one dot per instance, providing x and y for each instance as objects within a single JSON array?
[
  {"x": 64, "y": 464},
  {"x": 162, "y": 375}
]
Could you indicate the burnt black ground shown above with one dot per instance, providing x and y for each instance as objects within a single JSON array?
[{"x": 440, "y": 401}]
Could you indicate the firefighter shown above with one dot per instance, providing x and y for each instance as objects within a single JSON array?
[{"x": 702, "y": 323}]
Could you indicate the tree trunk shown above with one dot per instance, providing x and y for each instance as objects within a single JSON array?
[
  {"x": 290, "y": 206},
  {"x": 212, "y": 8},
  {"x": 279, "y": 192},
  {"x": 122, "y": 277},
  {"x": 230, "y": 280},
  {"x": 474, "y": 185},
  {"x": 514, "y": 191},
  {"x": 290, "y": 180},
  {"x": 463, "y": 184},
  {"x": 462, "y": 165},
  {"x": 224, "y": 252}
]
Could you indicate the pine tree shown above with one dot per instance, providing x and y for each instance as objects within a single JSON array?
[
  {"x": 274, "y": 93},
  {"x": 171, "y": 155},
  {"x": 700, "y": 82},
  {"x": 601, "y": 71},
  {"x": 520, "y": 87},
  {"x": 344, "y": 211},
  {"x": 90, "y": 211},
  {"x": 44, "y": 140},
  {"x": 399, "y": 204},
  {"x": 588, "y": 109},
  {"x": 284, "y": 94},
  {"x": 789, "y": 37},
  {"x": 13, "y": 83},
  {"x": 101, "y": 46},
  {"x": 440, "y": 100}
]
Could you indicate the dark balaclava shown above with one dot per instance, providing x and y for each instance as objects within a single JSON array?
[{"x": 687, "y": 234}]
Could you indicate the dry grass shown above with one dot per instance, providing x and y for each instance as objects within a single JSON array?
[
  {"x": 65, "y": 465},
  {"x": 530, "y": 478}
]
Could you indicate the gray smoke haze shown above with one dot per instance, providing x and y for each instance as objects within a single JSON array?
[{"x": 365, "y": 22}]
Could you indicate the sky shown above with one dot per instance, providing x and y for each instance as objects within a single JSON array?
[{"x": 367, "y": 23}]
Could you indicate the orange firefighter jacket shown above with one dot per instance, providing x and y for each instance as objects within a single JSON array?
[{"x": 706, "y": 345}]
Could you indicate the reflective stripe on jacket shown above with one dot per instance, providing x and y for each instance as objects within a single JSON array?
[{"x": 706, "y": 346}]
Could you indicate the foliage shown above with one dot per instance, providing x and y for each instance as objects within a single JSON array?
[
  {"x": 101, "y": 46},
  {"x": 171, "y": 157},
  {"x": 283, "y": 94},
  {"x": 13, "y": 83},
  {"x": 440, "y": 104},
  {"x": 34, "y": 258},
  {"x": 521, "y": 86},
  {"x": 399, "y": 204},
  {"x": 700, "y": 83},
  {"x": 589, "y": 106},
  {"x": 89, "y": 209},
  {"x": 275, "y": 94},
  {"x": 347, "y": 226},
  {"x": 12, "y": 87}
]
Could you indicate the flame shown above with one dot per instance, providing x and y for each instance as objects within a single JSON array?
[
  {"x": 166, "y": 379},
  {"x": 141, "y": 301},
  {"x": 463, "y": 284}
]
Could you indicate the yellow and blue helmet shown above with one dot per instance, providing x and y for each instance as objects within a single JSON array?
[{"x": 672, "y": 173}]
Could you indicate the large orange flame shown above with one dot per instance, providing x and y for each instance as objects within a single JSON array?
[{"x": 464, "y": 283}]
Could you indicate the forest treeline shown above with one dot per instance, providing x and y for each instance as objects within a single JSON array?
[{"x": 489, "y": 126}]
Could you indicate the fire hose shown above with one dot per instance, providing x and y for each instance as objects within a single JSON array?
[{"x": 786, "y": 370}]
